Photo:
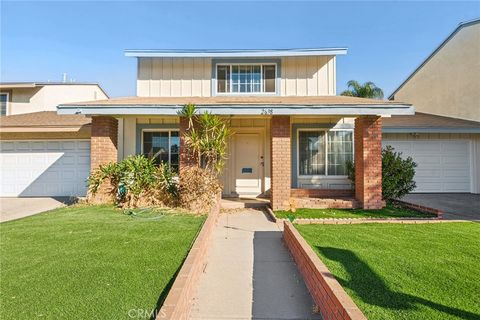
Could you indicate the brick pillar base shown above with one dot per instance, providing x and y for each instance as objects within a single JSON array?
[
  {"x": 103, "y": 141},
  {"x": 368, "y": 162},
  {"x": 280, "y": 161}
]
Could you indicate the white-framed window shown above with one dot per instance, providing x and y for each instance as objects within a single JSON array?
[
  {"x": 3, "y": 104},
  {"x": 324, "y": 152},
  {"x": 162, "y": 145},
  {"x": 246, "y": 78}
]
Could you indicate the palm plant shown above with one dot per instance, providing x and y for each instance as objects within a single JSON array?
[
  {"x": 365, "y": 90},
  {"x": 206, "y": 137}
]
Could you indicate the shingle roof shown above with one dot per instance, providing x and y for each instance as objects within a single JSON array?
[
  {"x": 237, "y": 100},
  {"x": 43, "y": 119},
  {"x": 428, "y": 121}
]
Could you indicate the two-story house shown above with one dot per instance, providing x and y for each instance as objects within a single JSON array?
[{"x": 292, "y": 133}]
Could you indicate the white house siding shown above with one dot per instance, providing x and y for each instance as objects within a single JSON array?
[
  {"x": 192, "y": 77},
  {"x": 472, "y": 140}
]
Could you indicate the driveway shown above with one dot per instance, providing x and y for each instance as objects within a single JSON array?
[
  {"x": 16, "y": 208},
  {"x": 454, "y": 205}
]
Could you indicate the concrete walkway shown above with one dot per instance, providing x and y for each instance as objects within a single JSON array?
[{"x": 250, "y": 274}]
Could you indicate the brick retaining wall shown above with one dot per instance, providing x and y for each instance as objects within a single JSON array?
[
  {"x": 178, "y": 303},
  {"x": 331, "y": 299}
]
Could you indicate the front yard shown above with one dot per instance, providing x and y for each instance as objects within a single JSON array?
[
  {"x": 90, "y": 262},
  {"x": 398, "y": 271},
  {"x": 389, "y": 211}
]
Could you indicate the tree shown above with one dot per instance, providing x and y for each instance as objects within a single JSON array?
[{"x": 366, "y": 90}]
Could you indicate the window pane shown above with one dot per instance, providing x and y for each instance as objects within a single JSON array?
[
  {"x": 246, "y": 78},
  {"x": 340, "y": 150},
  {"x": 269, "y": 78},
  {"x": 311, "y": 152},
  {"x": 155, "y": 145},
  {"x": 3, "y": 104},
  {"x": 223, "y": 78}
]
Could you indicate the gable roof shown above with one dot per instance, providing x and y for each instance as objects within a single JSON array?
[
  {"x": 232, "y": 53},
  {"x": 460, "y": 27}
]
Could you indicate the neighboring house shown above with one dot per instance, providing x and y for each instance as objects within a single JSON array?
[
  {"x": 292, "y": 134},
  {"x": 445, "y": 88},
  {"x": 26, "y": 97},
  {"x": 43, "y": 153}
]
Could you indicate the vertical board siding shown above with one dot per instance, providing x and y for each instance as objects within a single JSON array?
[{"x": 192, "y": 77}]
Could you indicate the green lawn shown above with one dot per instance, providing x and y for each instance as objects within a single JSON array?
[
  {"x": 404, "y": 271},
  {"x": 389, "y": 211},
  {"x": 87, "y": 262}
]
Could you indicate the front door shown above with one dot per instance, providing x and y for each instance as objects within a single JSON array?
[{"x": 248, "y": 164}]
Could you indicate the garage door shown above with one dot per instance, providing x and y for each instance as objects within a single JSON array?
[
  {"x": 44, "y": 168},
  {"x": 443, "y": 165}
]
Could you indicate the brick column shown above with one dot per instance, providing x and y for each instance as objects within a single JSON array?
[
  {"x": 103, "y": 142},
  {"x": 280, "y": 161},
  {"x": 186, "y": 159},
  {"x": 368, "y": 162}
]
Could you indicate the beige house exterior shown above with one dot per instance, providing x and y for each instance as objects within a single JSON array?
[
  {"x": 292, "y": 135},
  {"x": 27, "y": 97},
  {"x": 447, "y": 83}
]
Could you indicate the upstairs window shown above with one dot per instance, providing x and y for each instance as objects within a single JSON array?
[
  {"x": 246, "y": 78},
  {"x": 3, "y": 104}
]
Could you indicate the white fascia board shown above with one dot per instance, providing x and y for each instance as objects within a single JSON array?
[
  {"x": 252, "y": 110},
  {"x": 234, "y": 53}
]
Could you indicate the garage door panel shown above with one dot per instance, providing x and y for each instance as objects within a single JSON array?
[
  {"x": 442, "y": 165},
  {"x": 426, "y": 147},
  {"x": 44, "y": 168}
]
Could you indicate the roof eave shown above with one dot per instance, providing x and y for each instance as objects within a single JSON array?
[
  {"x": 234, "y": 53},
  {"x": 242, "y": 109}
]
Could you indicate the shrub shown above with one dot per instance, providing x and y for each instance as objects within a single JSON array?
[
  {"x": 133, "y": 181},
  {"x": 199, "y": 189},
  {"x": 397, "y": 174}
]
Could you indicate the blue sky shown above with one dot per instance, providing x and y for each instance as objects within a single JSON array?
[{"x": 386, "y": 40}]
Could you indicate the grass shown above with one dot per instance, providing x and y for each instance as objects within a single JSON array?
[
  {"x": 86, "y": 262},
  {"x": 398, "y": 271},
  {"x": 389, "y": 211}
]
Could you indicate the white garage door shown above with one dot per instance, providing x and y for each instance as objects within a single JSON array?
[
  {"x": 443, "y": 165},
  {"x": 44, "y": 168}
]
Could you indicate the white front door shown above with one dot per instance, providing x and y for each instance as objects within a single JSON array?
[{"x": 248, "y": 164}]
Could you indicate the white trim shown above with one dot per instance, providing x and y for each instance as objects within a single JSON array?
[
  {"x": 241, "y": 109},
  {"x": 169, "y": 142},
  {"x": 6, "y": 103},
  {"x": 246, "y": 53},
  {"x": 326, "y": 175},
  {"x": 262, "y": 83}
]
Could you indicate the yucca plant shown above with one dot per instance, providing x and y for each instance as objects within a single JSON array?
[{"x": 206, "y": 138}]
